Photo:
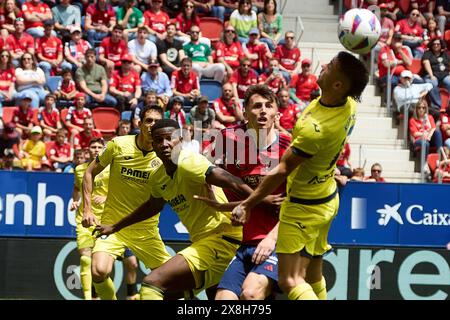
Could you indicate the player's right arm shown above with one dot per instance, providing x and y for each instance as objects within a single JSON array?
[
  {"x": 147, "y": 210},
  {"x": 93, "y": 170}
]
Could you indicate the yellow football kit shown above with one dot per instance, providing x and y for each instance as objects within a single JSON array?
[
  {"x": 129, "y": 187},
  {"x": 215, "y": 240},
  {"x": 312, "y": 201},
  {"x": 85, "y": 239}
]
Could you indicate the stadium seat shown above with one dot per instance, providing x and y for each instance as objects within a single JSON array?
[
  {"x": 416, "y": 66},
  {"x": 447, "y": 39},
  {"x": 211, "y": 88},
  {"x": 211, "y": 28},
  {"x": 8, "y": 114},
  {"x": 404, "y": 5},
  {"x": 126, "y": 115},
  {"x": 52, "y": 83},
  {"x": 106, "y": 120},
  {"x": 63, "y": 112},
  {"x": 444, "y": 99}
]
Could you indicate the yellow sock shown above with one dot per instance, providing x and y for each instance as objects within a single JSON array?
[
  {"x": 320, "y": 289},
  {"x": 86, "y": 276},
  {"x": 302, "y": 292},
  {"x": 149, "y": 292},
  {"x": 105, "y": 289}
]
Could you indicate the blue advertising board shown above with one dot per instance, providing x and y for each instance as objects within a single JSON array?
[{"x": 38, "y": 205}]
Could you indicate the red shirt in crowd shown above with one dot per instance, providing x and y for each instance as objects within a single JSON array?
[
  {"x": 49, "y": 47},
  {"x": 50, "y": 118},
  {"x": 288, "y": 115},
  {"x": 344, "y": 157},
  {"x": 185, "y": 84},
  {"x": 232, "y": 53},
  {"x": 81, "y": 140},
  {"x": 156, "y": 21},
  {"x": 244, "y": 82},
  {"x": 225, "y": 108},
  {"x": 403, "y": 27},
  {"x": 30, "y": 7},
  {"x": 261, "y": 50},
  {"x": 66, "y": 87},
  {"x": 185, "y": 25},
  {"x": 275, "y": 84},
  {"x": 304, "y": 86},
  {"x": 76, "y": 117},
  {"x": 125, "y": 82},
  {"x": 23, "y": 118},
  {"x": 56, "y": 150},
  {"x": 5, "y": 19},
  {"x": 387, "y": 53},
  {"x": 6, "y": 78},
  {"x": 100, "y": 17},
  {"x": 21, "y": 45},
  {"x": 287, "y": 57},
  {"x": 113, "y": 50}
]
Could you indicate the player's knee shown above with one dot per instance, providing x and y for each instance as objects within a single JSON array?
[
  {"x": 151, "y": 280},
  {"x": 251, "y": 293},
  {"x": 131, "y": 264},
  {"x": 286, "y": 283},
  {"x": 99, "y": 273}
]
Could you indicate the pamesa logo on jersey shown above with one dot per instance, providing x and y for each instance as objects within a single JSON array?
[{"x": 414, "y": 214}]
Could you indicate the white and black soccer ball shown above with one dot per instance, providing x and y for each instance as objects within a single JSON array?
[{"x": 359, "y": 30}]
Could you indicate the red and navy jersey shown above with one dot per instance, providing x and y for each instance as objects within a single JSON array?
[
  {"x": 23, "y": 118},
  {"x": 244, "y": 160}
]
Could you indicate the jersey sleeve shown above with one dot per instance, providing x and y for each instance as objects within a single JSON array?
[
  {"x": 194, "y": 167},
  {"x": 105, "y": 158},
  {"x": 308, "y": 140}
]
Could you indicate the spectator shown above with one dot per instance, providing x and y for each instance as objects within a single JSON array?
[
  {"x": 7, "y": 79},
  {"x": 49, "y": 51},
  {"x": 185, "y": 83},
  {"x": 92, "y": 80},
  {"x": 244, "y": 19},
  {"x": 59, "y": 152},
  {"x": 289, "y": 56},
  {"x": 30, "y": 80},
  {"x": 175, "y": 111},
  {"x": 112, "y": 49},
  {"x": 125, "y": 85},
  {"x": 170, "y": 51},
  {"x": 77, "y": 114},
  {"x": 288, "y": 113},
  {"x": 10, "y": 139},
  {"x": 270, "y": 24},
  {"x": 357, "y": 174},
  {"x": 35, "y": 13},
  {"x": 273, "y": 77},
  {"x": 397, "y": 56},
  {"x": 443, "y": 11},
  {"x": 8, "y": 161},
  {"x": 445, "y": 126},
  {"x": 202, "y": 117},
  {"x": 375, "y": 174},
  {"x": 202, "y": 61},
  {"x": 75, "y": 50},
  {"x": 157, "y": 81},
  {"x": 23, "y": 116},
  {"x": 436, "y": 61},
  {"x": 49, "y": 117},
  {"x": 185, "y": 20},
  {"x": 155, "y": 20},
  {"x": 305, "y": 86},
  {"x": 124, "y": 128},
  {"x": 387, "y": 30},
  {"x": 130, "y": 18},
  {"x": 78, "y": 158},
  {"x": 33, "y": 151},
  {"x": 100, "y": 21},
  {"x": 67, "y": 89},
  {"x": 82, "y": 139},
  {"x": 242, "y": 78},
  {"x": 66, "y": 17},
  {"x": 149, "y": 99},
  {"x": 407, "y": 94},
  {"x": 19, "y": 41},
  {"x": 431, "y": 32},
  {"x": 257, "y": 51},
  {"x": 425, "y": 8},
  {"x": 258, "y": 5},
  {"x": 142, "y": 50},
  {"x": 9, "y": 11},
  {"x": 225, "y": 8},
  {"x": 229, "y": 51},
  {"x": 423, "y": 127},
  {"x": 343, "y": 163},
  {"x": 412, "y": 32},
  {"x": 228, "y": 111}
]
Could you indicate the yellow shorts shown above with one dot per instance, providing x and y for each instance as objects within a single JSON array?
[
  {"x": 305, "y": 227},
  {"x": 147, "y": 245},
  {"x": 209, "y": 257},
  {"x": 85, "y": 239}
]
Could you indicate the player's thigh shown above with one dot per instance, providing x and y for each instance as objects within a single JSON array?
[
  {"x": 230, "y": 286},
  {"x": 314, "y": 271},
  {"x": 85, "y": 239},
  {"x": 102, "y": 264},
  {"x": 146, "y": 245},
  {"x": 256, "y": 287}
]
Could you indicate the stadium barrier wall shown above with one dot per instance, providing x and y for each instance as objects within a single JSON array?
[
  {"x": 49, "y": 269},
  {"x": 37, "y": 205}
]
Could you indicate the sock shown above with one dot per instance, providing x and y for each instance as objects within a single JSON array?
[
  {"x": 131, "y": 289},
  {"x": 105, "y": 289},
  {"x": 302, "y": 292},
  {"x": 320, "y": 289},
  {"x": 149, "y": 292},
  {"x": 86, "y": 276}
]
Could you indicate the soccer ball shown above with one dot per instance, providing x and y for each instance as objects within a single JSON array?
[{"x": 359, "y": 30}]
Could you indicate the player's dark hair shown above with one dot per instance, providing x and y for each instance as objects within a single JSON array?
[
  {"x": 165, "y": 123},
  {"x": 356, "y": 72},
  {"x": 151, "y": 107},
  {"x": 264, "y": 91}
]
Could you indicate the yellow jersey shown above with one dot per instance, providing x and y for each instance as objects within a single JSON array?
[
  {"x": 36, "y": 150},
  {"x": 129, "y": 180},
  {"x": 100, "y": 188},
  {"x": 188, "y": 180},
  {"x": 321, "y": 132}
]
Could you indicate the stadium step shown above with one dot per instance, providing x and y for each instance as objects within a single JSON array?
[
  {"x": 378, "y": 123},
  {"x": 357, "y": 142}
]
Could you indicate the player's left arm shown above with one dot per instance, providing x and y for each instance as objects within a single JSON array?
[{"x": 221, "y": 178}]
